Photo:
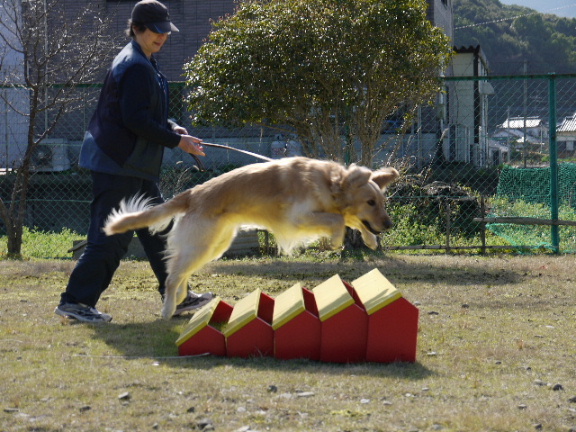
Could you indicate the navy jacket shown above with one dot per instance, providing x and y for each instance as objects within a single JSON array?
[{"x": 130, "y": 128}]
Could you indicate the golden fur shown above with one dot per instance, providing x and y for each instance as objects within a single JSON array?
[{"x": 297, "y": 199}]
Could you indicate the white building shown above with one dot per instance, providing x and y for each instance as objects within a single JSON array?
[
  {"x": 467, "y": 107},
  {"x": 14, "y": 102}
]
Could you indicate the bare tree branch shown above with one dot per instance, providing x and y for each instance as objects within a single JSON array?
[{"x": 56, "y": 51}]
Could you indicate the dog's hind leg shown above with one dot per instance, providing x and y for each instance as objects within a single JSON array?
[
  {"x": 187, "y": 256},
  {"x": 174, "y": 286},
  {"x": 180, "y": 266}
]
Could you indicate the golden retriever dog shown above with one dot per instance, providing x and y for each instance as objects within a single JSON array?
[{"x": 297, "y": 199}]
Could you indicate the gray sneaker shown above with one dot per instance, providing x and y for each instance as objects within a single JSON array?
[
  {"x": 193, "y": 301},
  {"x": 81, "y": 312}
]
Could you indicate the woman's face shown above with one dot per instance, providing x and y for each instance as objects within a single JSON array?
[{"x": 151, "y": 42}]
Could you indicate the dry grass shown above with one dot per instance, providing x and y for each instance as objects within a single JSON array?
[{"x": 496, "y": 335}]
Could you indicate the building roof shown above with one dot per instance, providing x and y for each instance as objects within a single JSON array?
[
  {"x": 515, "y": 135},
  {"x": 568, "y": 124},
  {"x": 471, "y": 49},
  {"x": 518, "y": 122}
]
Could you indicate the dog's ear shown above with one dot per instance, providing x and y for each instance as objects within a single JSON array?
[
  {"x": 384, "y": 177},
  {"x": 356, "y": 176}
]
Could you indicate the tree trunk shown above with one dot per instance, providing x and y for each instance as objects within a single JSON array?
[
  {"x": 14, "y": 234},
  {"x": 16, "y": 213}
]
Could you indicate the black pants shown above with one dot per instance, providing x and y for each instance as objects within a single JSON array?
[{"x": 102, "y": 255}]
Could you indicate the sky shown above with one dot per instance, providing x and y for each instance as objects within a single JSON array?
[{"x": 564, "y": 8}]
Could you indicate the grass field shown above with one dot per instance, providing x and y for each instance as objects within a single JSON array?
[{"x": 496, "y": 352}]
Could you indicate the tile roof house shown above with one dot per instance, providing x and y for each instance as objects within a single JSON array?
[
  {"x": 533, "y": 130},
  {"x": 521, "y": 134},
  {"x": 566, "y": 136}
]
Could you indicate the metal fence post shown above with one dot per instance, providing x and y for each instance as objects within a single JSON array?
[
  {"x": 554, "y": 230},
  {"x": 483, "y": 225}
]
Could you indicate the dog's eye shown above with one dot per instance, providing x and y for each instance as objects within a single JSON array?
[{"x": 371, "y": 203}]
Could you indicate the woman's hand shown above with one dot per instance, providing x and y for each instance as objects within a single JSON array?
[
  {"x": 180, "y": 130},
  {"x": 191, "y": 145}
]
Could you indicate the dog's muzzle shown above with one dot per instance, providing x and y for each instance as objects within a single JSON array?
[{"x": 387, "y": 225}]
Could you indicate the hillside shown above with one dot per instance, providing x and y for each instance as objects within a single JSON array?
[{"x": 513, "y": 35}]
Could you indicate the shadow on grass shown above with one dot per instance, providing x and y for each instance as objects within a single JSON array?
[
  {"x": 156, "y": 341},
  {"x": 397, "y": 269}
]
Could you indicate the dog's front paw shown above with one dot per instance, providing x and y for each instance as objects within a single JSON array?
[
  {"x": 336, "y": 244},
  {"x": 370, "y": 240},
  {"x": 337, "y": 238}
]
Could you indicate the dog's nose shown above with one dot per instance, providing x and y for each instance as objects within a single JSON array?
[{"x": 388, "y": 224}]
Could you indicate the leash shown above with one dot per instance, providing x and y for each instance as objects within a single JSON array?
[
  {"x": 225, "y": 147},
  {"x": 246, "y": 152}
]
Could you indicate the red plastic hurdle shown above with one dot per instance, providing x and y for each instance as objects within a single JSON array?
[
  {"x": 249, "y": 332},
  {"x": 392, "y": 320},
  {"x": 202, "y": 334},
  {"x": 296, "y": 325},
  {"x": 344, "y": 327},
  {"x": 367, "y": 320}
]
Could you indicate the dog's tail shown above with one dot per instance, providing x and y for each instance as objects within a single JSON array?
[{"x": 137, "y": 212}]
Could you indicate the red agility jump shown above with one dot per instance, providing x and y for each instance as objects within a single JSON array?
[{"x": 366, "y": 320}]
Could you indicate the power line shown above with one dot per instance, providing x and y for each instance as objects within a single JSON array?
[{"x": 514, "y": 17}]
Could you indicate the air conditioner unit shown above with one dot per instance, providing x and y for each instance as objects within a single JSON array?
[{"x": 51, "y": 155}]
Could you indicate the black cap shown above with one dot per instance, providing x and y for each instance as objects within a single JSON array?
[{"x": 154, "y": 16}]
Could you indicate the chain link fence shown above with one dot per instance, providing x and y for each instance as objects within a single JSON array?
[
  {"x": 500, "y": 175},
  {"x": 489, "y": 167}
]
